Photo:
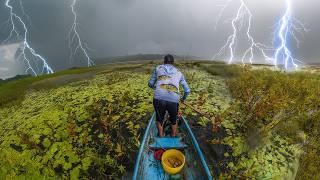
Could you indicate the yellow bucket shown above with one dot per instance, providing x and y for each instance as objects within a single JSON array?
[{"x": 172, "y": 161}]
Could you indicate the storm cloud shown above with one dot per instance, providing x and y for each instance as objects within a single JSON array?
[
  {"x": 9, "y": 64},
  {"x": 126, "y": 27}
]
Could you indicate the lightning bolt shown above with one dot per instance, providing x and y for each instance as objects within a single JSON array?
[
  {"x": 241, "y": 26},
  {"x": 15, "y": 20},
  {"x": 287, "y": 28},
  {"x": 75, "y": 39}
]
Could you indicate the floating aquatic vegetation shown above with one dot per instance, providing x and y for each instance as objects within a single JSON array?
[
  {"x": 89, "y": 128},
  {"x": 92, "y": 128}
]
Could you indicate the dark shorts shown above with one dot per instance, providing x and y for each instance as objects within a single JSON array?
[{"x": 161, "y": 106}]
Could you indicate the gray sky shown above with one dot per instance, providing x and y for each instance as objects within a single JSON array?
[{"x": 183, "y": 27}]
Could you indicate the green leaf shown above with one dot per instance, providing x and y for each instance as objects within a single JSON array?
[
  {"x": 74, "y": 174},
  {"x": 86, "y": 162},
  {"x": 122, "y": 169},
  {"x": 100, "y": 136},
  {"x": 46, "y": 143}
]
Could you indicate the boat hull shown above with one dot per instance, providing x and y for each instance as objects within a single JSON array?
[{"x": 147, "y": 167}]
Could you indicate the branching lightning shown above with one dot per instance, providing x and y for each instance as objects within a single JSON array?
[
  {"x": 287, "y": 28},
  {"x": 75, "y": 39},
  {"x": 14, "y": 21},
  {"x": 242, "y": 26},
  {"x": 243, "y": 19}
]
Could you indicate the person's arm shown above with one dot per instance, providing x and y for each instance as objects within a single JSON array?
[
  {"x": 186, "y": 88},
  {"x": 153, "y": 79}
]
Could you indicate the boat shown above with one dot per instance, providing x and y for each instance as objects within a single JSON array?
[{"x": 147, "y": 167}]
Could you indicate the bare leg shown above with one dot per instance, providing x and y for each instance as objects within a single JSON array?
[
  {"x": 174, "y": 130},
  {"x": 160, "y": 129}
]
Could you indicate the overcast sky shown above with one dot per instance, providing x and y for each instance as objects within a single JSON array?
[{"x": 121, "y": 27}]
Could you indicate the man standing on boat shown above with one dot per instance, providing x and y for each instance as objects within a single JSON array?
[{"x": 165, "y": 80}]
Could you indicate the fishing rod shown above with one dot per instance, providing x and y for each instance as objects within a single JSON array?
[
  {"x": 206, "y": 115},
  {"x": 216, "y": 121}
]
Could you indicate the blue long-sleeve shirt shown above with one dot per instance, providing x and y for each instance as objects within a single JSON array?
[{"x": 172, "y": 76}]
